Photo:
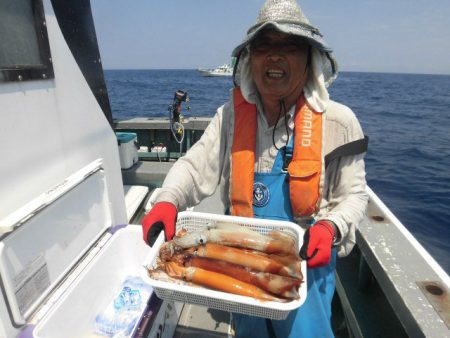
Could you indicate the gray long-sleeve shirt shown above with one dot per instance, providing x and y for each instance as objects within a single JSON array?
[{"x": 207, "y": 166}]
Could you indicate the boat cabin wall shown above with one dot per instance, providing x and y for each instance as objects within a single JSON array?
[{"x": 51, "y": 128}]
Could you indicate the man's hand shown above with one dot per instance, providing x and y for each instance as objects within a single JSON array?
[
  {"x": 317, "y": 242},
  {"x": 162, "y": 216}
]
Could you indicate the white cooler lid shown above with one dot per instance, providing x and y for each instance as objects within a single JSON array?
[{"x": 48, "y": 237}]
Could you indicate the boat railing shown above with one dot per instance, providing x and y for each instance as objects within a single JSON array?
[{"x": 390, "y": 283}]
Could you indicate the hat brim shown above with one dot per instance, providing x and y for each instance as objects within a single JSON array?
[{"x": 307, "y": 32}]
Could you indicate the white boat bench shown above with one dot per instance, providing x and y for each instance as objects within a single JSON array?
[{"x": 134, "y": 197}]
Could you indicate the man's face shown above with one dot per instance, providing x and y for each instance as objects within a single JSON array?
[{"x": 278, "y": 64}]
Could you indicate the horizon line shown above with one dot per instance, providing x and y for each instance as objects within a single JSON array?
[{"x": 341, "y": 71}]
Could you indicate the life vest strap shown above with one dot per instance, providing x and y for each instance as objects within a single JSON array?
[
  {"x": 243, "y": 156},
  {"x": 348, "y": 149}
]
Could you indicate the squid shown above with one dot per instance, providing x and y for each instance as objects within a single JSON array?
[
  {"x": 292, "y": 262},
  {"x": 217, "y": 281},
  {"x": 252, "y": 260},
  {"x": 282, "y": 286},
  {"x": 275, "y": 242}
]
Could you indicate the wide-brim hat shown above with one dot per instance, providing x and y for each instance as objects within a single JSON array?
[{"x": 287, "y": 17}]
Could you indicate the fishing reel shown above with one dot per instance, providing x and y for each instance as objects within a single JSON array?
[{"x": 176, "y": 125}]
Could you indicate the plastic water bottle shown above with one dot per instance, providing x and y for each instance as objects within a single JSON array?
[
  {"x": 122, "y": 313},
  {"x": 122, "y": 322},
  {"x": 135, "y": 299},
  {"x": 127, "y": 299}
]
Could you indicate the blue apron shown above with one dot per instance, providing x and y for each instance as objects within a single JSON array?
[{"x": 313, "y": 319}]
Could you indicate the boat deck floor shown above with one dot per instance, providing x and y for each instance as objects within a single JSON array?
[{"x": 201, "y": 322}]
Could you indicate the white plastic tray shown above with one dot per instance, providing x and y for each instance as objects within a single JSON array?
[{"x": 220, "y": 300}]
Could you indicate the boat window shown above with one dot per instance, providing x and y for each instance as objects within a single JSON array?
[{"x": 24, "y": 47}]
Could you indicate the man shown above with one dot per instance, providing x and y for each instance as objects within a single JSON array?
[{"x": 266, "y": 149}]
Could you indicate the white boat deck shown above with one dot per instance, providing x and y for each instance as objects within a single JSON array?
[
  {"x": 134, "y": 197},
  {"x": 201, "y": 322}
]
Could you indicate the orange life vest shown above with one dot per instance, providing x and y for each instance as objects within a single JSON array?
[{"x": 304, "y": 169}]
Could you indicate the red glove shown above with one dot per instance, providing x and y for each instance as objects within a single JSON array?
[
  {"x": 163, "y": 215},
  {"x": 317, "y": 242}
]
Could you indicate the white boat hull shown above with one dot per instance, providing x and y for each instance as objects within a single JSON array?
[{"x": 216, "y": 72}]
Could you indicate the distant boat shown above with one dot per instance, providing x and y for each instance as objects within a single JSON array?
[{"x": 224, "y": 70}]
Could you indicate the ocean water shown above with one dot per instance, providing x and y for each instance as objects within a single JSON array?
[{"x": 406, "y": 116}]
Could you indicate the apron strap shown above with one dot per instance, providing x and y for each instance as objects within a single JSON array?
[{"x": 270, "y": 329}]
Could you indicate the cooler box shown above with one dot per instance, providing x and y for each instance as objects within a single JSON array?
[
  {"x": 128, "y": 149},
  {"x": 67, "y": 271}
]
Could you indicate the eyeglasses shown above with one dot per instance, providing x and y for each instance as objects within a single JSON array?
[{"x": 290, "y": 45}]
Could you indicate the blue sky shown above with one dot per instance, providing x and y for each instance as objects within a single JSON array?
[{"x": 401, "y": 36}]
